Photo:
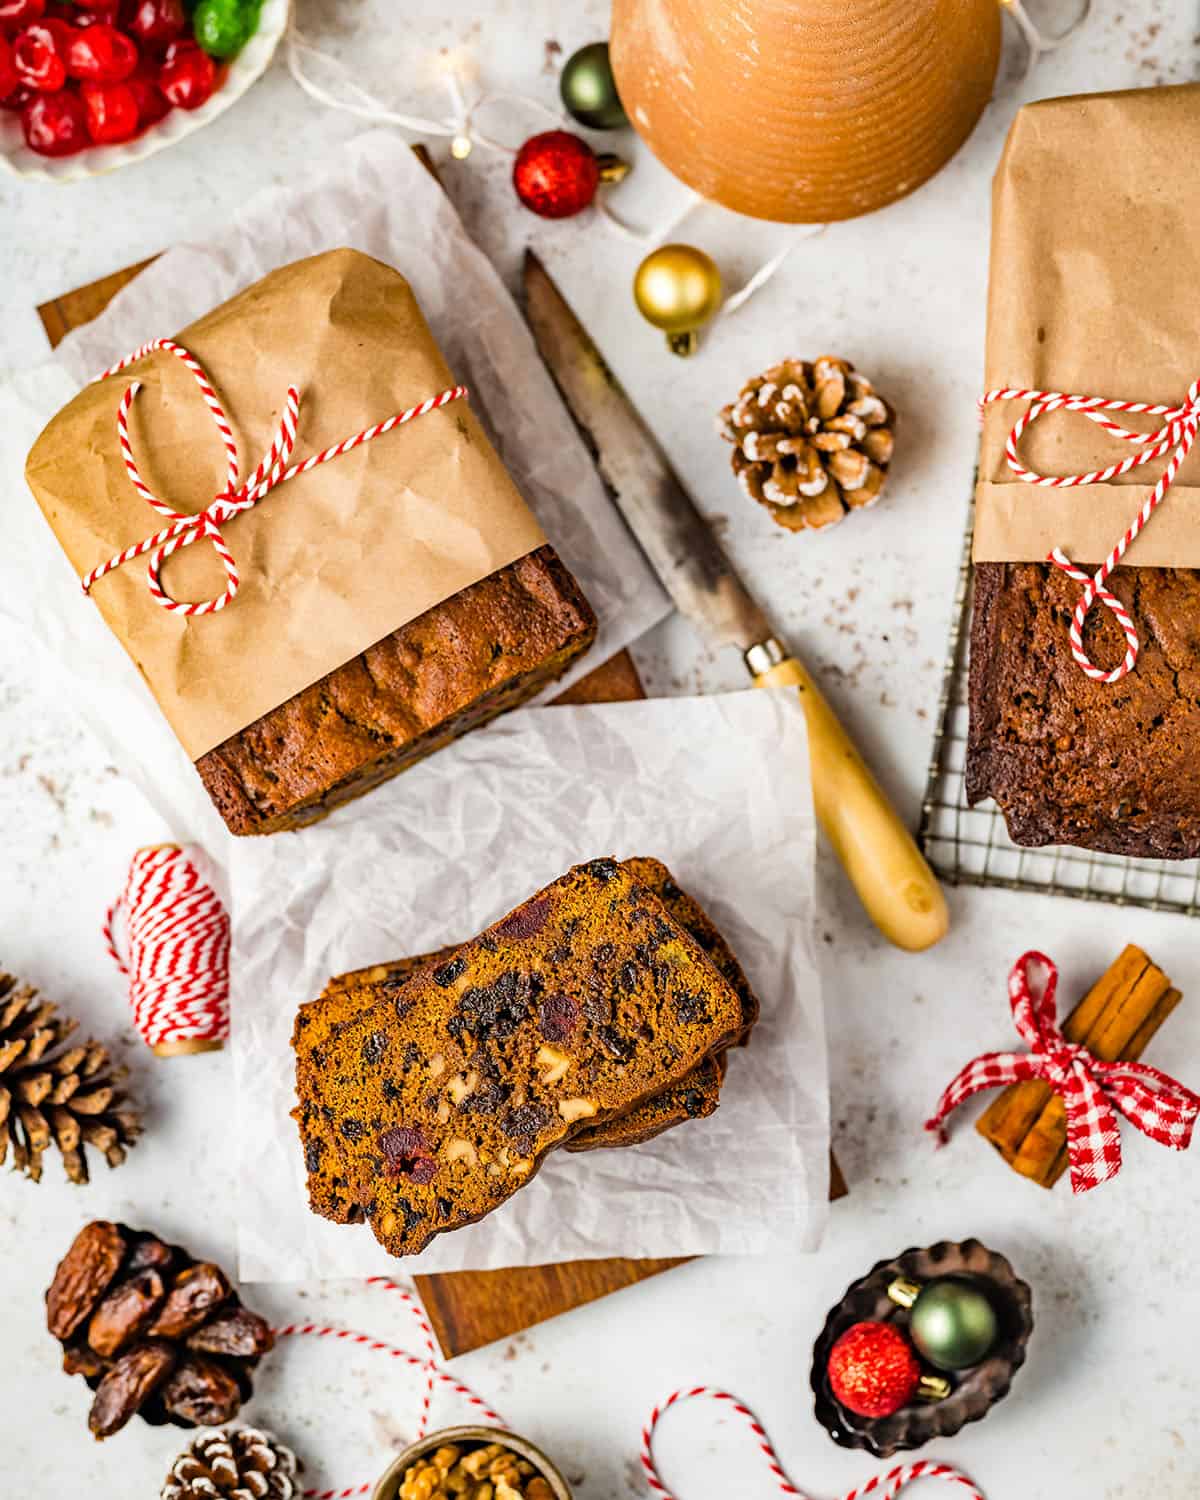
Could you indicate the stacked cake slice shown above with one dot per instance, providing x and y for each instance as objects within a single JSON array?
[{"x": 595, "y": 1014}]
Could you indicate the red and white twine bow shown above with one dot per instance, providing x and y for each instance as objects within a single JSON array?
[
  {"x": 885, "y": 1486},
  {"x": 1091, "y": 1090},
  {"x": 1176, "y": 433},
  {"x": 176, "y": 947},
  {"x": 237, "y": 496}
]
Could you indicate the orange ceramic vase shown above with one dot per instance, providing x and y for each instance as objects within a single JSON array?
[{"x": 805, "y": 110}]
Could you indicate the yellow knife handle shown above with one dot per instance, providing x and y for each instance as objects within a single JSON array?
[{"x": 893, "y": 881}]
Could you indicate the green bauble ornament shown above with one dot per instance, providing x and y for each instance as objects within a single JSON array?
[
  {"x": 589, "y": 91},
  {"x": 951, "y": 1322}
]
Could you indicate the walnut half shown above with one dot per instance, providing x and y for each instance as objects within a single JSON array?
[{"x": 490, "y": 1472}]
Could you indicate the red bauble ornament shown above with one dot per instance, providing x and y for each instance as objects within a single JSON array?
[
  {"x": 556, "y": 174},
  {"x": 873, "y": 1370}
]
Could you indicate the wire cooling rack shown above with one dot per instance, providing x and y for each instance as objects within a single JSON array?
[{"x": 970, "y": 845}]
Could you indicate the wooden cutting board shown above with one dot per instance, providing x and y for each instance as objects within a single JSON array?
[{"x": 467, "y": 1308}]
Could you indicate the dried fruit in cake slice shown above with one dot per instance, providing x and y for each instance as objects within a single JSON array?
[
  {"x": 688, "y": 911},
  {"x": 446, "y": 1093},
  {"x": 693, "y": 1098}
]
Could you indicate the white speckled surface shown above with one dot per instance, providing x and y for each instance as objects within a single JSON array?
[{"x": 1106, "y": 1408}]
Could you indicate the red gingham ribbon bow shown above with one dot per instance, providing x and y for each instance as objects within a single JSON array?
[
  {"x": 235, "y": 497},
  {"x": 1090, "y": 1089},
  {"x": 1178, "y": 431}
]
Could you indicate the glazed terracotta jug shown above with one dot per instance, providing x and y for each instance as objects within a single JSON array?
[{"x": 805, "y": 110}]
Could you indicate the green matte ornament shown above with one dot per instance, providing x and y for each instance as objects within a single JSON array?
[
  {"x": 589, "y": 91},
  {"x": 951, "y": 1322}
]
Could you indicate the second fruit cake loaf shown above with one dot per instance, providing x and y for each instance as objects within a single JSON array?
[
  {"x": 1111, "y": 767},
  {"x": 573, "y": 1009}
]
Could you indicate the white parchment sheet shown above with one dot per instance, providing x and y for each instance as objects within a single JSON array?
[
  {"x": 716, "y": 787},
  {"x": 378, "y": 199}
]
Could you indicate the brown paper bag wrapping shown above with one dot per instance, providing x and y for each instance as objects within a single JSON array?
[
  {"x": 1094, "y": 290},
  {"x": 330, "y": 562}
]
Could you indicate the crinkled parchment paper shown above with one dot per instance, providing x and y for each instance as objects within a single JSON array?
[{"x": 718, "y": 788}]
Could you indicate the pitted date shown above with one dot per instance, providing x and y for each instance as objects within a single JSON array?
[
  {"x": 78, "y": 1359},
  {"x": 124, "y": 1313},
  {"x": 83, "y": 1276},
  {"x": 128, "y": 1385},
  {"x": 202, "y": 1393},
  {"x": 150, "y": 1254},
  {"x": 240, "y": 1334},
  {"x": 196, "y": 1292}
]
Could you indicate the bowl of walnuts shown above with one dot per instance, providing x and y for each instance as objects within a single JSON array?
[
  {"x": 87, "y": 86},
  {"x": 472, "y": 1463}
]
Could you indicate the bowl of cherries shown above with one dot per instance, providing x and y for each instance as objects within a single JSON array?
[{"x": 87, "y": 86}]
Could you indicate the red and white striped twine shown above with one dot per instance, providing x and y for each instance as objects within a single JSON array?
[
  {"x": 1177, "y": 431},
  {"x": 176, "y": 947},
  {"x": 426, "y": 1362},
  {"x": 235, "y": 497},
  {"x": 886, "y": 1486}
]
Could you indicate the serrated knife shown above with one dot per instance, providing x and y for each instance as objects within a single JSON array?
[{"x": 893, "y": 881}]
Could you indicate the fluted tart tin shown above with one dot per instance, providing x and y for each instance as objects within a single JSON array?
[{"x": 974, "y": 1391}]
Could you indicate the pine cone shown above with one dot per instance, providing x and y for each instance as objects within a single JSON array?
[
  {"x": 811, "y": 441},
  {"x": 54, "y": 1094},
  {"x": 240, "y": 1463},
  {"x": 141, "y": 1321}
]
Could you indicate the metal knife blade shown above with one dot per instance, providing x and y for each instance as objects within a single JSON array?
[{"x": 661, "y": 514}]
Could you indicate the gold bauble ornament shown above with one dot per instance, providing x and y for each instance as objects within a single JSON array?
[{"x": 678, "y": 289}]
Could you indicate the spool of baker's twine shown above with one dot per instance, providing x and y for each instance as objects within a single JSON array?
[
  {"x": 174, "y": 949},
  {"x": 884, "y": 1486}
]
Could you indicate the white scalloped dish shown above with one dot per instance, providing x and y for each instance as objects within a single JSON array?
[{"x": 248, "y": 66}]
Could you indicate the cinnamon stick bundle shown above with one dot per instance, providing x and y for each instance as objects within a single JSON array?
[{"x": 1027, "y": 1123}]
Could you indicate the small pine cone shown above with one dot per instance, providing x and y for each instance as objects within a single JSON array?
[
  {"x": 237, "y": 1463},
  {"x": 54, "y": 1094},
  {"x": 811, "y": 442}
]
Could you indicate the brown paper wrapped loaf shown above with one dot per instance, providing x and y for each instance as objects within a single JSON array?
[
  {"x": 390, "y": 600},
  {"x": 487, "y": 649},
  {"x": 1093, "y": 269}
]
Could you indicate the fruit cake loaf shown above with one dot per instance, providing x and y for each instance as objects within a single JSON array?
[
  {"x": 477, "y": 654},
  {"x": 578, "y": 1005},
  {"x": 695, "y": 1097},
  {"x": 1072, "y": 761}
]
